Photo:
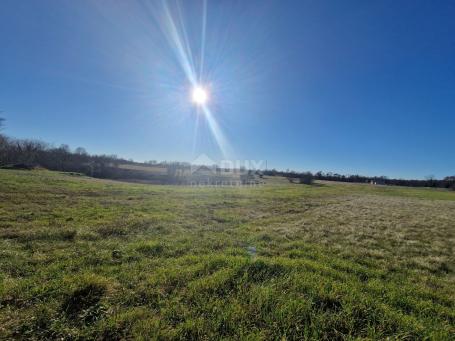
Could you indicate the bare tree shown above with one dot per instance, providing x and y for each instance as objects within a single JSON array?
[
  {"x": 431, "y": 179},
  {"x": 80, "y": 151},
  {"x": 3, "y": 144}
]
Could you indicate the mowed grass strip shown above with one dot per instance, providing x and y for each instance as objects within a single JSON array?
[{"x": 85, "y": 258}]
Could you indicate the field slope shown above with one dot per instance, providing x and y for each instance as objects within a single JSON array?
[{"x": 84, "y": 258}]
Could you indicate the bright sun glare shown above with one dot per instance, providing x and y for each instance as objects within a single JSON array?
[{"x": 199, "y": 95}]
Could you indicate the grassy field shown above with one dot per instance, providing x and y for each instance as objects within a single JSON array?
[{"x": 84, "y": 258}]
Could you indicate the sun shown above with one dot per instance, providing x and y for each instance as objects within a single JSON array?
[{"x": 199, "y": 95}]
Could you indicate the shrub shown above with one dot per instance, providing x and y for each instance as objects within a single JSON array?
[{"x": 306, "y": 178}]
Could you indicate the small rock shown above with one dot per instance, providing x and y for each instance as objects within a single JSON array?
[{"x": 251, "y": 251}]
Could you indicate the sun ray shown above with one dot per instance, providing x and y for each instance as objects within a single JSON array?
[
  {"x": 177, "y": 44},
  {"x": 217, "y": 133},
  {"x": 204, "y": 27},
  {"x": 178, "y": 39}
]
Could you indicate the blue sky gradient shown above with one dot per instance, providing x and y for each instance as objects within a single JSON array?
[{"x": 355, "y": 87}]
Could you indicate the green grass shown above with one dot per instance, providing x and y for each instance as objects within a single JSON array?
[{"x": 84, "y": 258}]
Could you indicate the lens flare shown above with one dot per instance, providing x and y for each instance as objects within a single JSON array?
[
  {"x": 199, "y": 95},
  {"x": 175, "y": 31}
]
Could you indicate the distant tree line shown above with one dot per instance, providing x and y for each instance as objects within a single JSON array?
[
  {"x": 28, "y": 154},
  {"x": 31, "y": 153},
  {"x": 308, "y": 177},
  {"x": 25, "y": 153}
]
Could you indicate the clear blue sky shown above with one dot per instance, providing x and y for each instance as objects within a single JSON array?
[{"x": 345, "y": 86}]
